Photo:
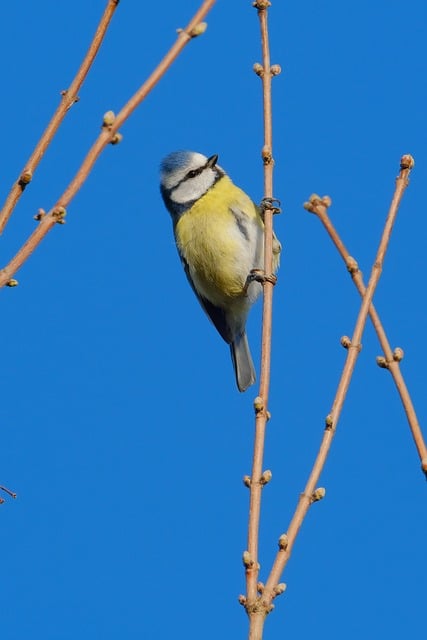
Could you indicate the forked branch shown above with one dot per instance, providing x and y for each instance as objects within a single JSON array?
[{"x": 391, "y": 358}]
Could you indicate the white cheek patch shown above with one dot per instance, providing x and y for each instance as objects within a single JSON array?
[{"x": 193, "y": 188}]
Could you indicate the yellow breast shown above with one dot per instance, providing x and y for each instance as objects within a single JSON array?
[{"x": 219, "y": 256}]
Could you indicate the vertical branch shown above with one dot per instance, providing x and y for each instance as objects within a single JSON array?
[
  {"x": 258, "y": 479},
  {"x": 69, "y": 97}
]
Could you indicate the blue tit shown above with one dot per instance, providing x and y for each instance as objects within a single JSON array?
[{"x": 219, "y": 234}]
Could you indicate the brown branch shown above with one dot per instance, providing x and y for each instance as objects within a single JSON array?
[
  {"x": 311, "y": 494},
  {"x": 69, "y": 97},
  {"x": 258, "y": 479},
  {"x": 391, "y": 358},
  {"x": 108, "y": 135}
]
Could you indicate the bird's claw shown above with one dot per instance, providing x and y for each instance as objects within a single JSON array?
[
  {"x": 258, "y": 275},
  {"x": 273, "y": 204}
]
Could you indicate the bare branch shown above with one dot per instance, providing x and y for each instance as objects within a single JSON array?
[
  {"x": 391, "y": 358},
  {"x": 109, "y": 134},
  {"x": 253, "y": 604},
  {"x": 310, "y": 493},
  {"x": 69, "y": 97}
]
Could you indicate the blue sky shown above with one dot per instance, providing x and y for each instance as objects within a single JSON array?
[{"x": 122, "y": 430}]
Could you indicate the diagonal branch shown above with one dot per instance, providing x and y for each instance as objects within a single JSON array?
[
  {"x": 391, "y": 358},
  {"x": 69, "y": 97},
  {"x": 109, "y": 134},
  {"x": 311, "y": 494}
]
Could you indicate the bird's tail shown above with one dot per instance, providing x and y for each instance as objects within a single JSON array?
[{"x": 242, "y": 362}]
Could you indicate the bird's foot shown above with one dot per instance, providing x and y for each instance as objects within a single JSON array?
[
  {"x": 270, "y": 203},
  {"x": 258, "y": 275}
]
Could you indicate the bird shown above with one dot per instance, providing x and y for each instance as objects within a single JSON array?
[{"x": 219, "y": 234}]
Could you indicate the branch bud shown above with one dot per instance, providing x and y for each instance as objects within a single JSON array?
[
  {"x": 283, "y": 541},
  {"x": 247, "y": 481},
  {"x": 108, "y": 119},
  {"x": 258, "y": 404},
  {"x": 329, "y": 421},
  {"x": 351, "y": 264},
  {"x": 40, "y": 214},
  {"x": 198, "y": 30},
  {"x": 12, "y": 283},
  {"x": 279, "y": 589},
  {"x": 247, "y": 559},
  {"x": 275, "y": 69},
  {"x": 258, "y": 69},
  {"x": 318, "y": 494},
  {"x": 345, "y": 342},
  {"x": 116, "y": 138},
  {"x": 260, "y": 587},
  {"x": 242, "y": 600},
  {"x": 382, "y": 362},
  {"x": 25, "y": 177},
  {"x": 59, "y": 214},
  {"x": 398, "y": 354},
  {"x": 266, "y": 477},
  {"x": 407, "y": 162}
]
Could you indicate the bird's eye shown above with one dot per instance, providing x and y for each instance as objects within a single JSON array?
[{"x": 193, "y": 173}]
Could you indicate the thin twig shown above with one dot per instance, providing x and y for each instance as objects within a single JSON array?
[
  {"x": 311, "y": 494},
  {"x": 69, "y": 97},
  {"x": 108, "y": 135},
  {"x": 258, "y": 479},
  {"x": 391, "y": 358}
]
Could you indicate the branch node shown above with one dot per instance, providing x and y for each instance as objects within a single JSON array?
[
  {"x": 261, "y": 4},
  {"x": 329, "y": 421},
  {"x": 258, "y": 404},
  {"x": 247, "y": 481},
  {"x": 247, "y": 560},
  {"x": 266, "y": 477},
  {"x": 275, "y": 70},
  {"x": 382, "y": 362},
  {"x": 407, "y": 162},
  {"x": 39, "y": 215},
  {"x": 25, "y": 178},
  {"x": 345, "y": 342},
  {"x": 318, "y": 494},
  {"x": 316, "y": 201},
  {"x": 258, "y": 69},
  {"x": 12, "y": 283},
  {"x": 197, "y": 30},
  {"x": 59, "y": 214},
  {"x": 116, "y": 138},
  {"x": 351, "y": 264},
  {"x": 398, "y": 354},
  {"x": 283, "y": 541},
  {"x": 266, "y": 155}
]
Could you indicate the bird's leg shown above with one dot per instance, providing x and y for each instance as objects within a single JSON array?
[{"x": 258, "y": 275}]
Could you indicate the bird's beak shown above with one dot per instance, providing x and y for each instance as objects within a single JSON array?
[{"x": 212, "y": 161}]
